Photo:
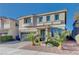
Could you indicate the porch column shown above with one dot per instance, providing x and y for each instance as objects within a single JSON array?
[
  {"x": 49, "y": 32},
  {"x": 38, "y": 31},
  {"x": 20, "y": 36},
  {"x": 46, "y": 31}
]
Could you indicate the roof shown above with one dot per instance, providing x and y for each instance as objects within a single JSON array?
[
  {"x": 53, "y": 12},
  {"x": 4, "y": 17},
  {"x": 65, "y": 10}
]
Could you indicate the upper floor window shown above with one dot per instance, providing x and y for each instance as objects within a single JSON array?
[
  {"x": 40, "y": 19},
  {"x": 47, "y": 18},
  {"x": 27, "y": 20},
  {"x": 57, "y": 17}
]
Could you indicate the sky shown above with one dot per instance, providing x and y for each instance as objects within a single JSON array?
[{"x": 15, "y": 10}]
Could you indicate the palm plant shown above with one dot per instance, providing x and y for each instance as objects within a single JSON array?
[
  {"x": 77, "y": 39},
  {"x": 60, "y": 38},
  {"x": 50, "y": 41},
  {"x": 37, "y": 40},
  {"x": 31, "y": 37}
]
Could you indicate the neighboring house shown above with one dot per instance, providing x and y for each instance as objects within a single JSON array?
[
  {"x": 8, "y": 26},
  {"x": 42, "y": 23}
]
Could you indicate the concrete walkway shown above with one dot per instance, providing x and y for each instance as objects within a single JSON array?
[{"x": 12, "y": 48}]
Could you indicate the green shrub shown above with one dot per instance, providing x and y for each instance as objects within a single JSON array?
[
  {"x": 6, "y": 38},
  {"x": 52, "y": 42},
  {"x": 58, "y": 39},
  {"x": 31, "y": 37}
]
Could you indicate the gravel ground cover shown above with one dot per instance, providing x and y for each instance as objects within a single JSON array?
[{"x": 72, "y": 51}]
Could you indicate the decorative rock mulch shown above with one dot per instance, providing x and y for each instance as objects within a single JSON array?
[
  {"x": 67, "y": 48},
  {"x": 71, "y": 46}
]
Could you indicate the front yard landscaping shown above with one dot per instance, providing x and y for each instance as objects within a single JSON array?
[
  {"x": 61, "y": 43},
  {"x": 57, "y": 40},
  {"x": 43, "y": 48}
]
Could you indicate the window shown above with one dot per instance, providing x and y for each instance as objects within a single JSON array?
[
  {"x": 27, "y": 20},
  {"x": 56, "y": 17},
  {"x": 40, "y": 19},
  {"x": 47, "y": 18}
]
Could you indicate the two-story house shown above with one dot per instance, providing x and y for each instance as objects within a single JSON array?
[
  {"x": 42, "y": 23},
  {"x": 8, "y": 26}
]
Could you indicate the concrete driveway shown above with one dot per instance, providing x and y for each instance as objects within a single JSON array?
[
  {"x": 12, "y": 48},
  {"x": 14, "y": 44}
]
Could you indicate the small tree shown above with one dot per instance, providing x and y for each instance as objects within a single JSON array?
[
  {"x": 37, "y": 40},
  {"x": 77, "y": 39},
  {"x": 31, "y": 37},
  {"x": 60, "y": 38}
]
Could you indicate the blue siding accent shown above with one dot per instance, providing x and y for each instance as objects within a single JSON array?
[{"x": 53, "y": 30}]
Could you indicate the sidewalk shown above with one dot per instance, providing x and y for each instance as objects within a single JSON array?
[
  {"x": 14, "y": 51},
  {"x": 12, "y": 48}
]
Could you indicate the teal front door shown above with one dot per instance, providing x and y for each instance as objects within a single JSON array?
[{"x": 42, "y": 32}]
